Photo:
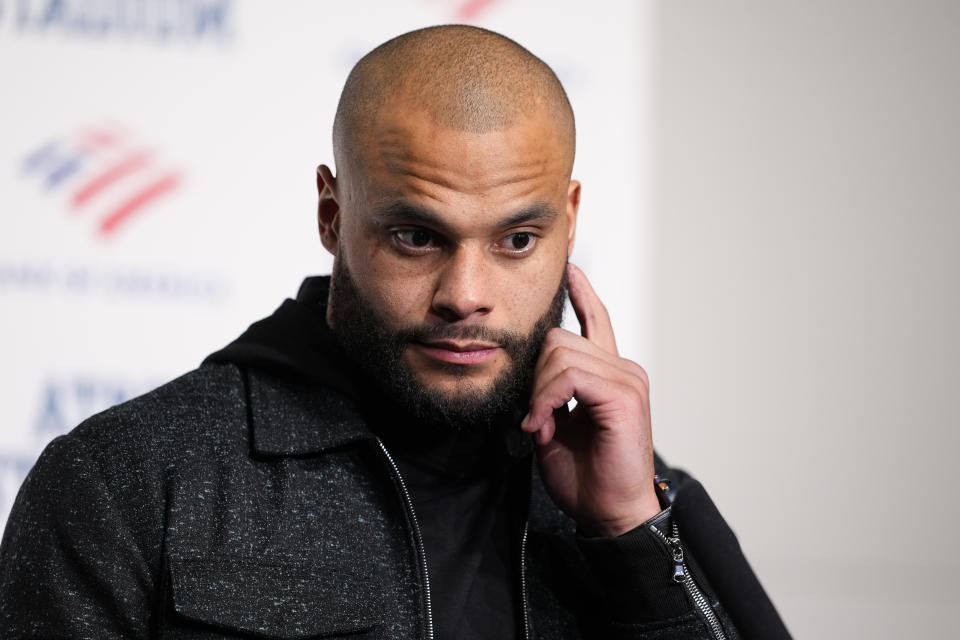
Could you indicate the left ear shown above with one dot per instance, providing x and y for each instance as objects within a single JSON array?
[
  {"x": 573, "y": 204},
  {"x": 328, "y": 210}
]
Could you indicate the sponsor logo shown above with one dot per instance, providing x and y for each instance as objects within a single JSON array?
[
  {"x": 105, "y": 179},
  {"x": 161, "y": 21},
  {"x": 129, "y": 283},
  {"x": 105, "y": 170}
]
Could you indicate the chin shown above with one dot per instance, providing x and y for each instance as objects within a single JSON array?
[{"x": 460, "y": 385}]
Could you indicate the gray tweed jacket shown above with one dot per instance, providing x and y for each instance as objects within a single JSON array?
[{"x": 235, "y": 503}]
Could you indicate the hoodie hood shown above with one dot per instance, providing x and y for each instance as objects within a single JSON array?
[{"x": 295, "y": 342}]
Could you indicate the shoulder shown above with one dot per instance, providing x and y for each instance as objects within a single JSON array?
[
  {"x": 202, "y": 405},
  {"x": 200, "y": 415},
  {"x": 122, "y": 460},
  {"x": 203, "y": 393}
]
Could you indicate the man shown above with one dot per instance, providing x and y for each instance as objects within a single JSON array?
[{"x": 357, "y": 464}]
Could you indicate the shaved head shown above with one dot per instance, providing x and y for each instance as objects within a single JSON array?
[{"x": 466, "y": 78}]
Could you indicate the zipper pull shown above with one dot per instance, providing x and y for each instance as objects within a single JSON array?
[
  {"x": 679, "y": 575},
  {"x": 679, "y": 572},
  {"x": 676, "y": 551}
]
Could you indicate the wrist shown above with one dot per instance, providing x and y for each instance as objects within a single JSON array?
[{"x": 644, "y": 509}]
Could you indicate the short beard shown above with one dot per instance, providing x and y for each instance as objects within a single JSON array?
[{"x": 378, "y": 351}]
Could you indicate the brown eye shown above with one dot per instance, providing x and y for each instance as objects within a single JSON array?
[
  {"x": 520, "y": 241},
  {"x": 519, "y": 244},
  {"x": 416, "y": 238},
  {"x": 419, "y": 238}
]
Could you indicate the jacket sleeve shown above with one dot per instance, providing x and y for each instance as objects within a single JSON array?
[
  {"x": 680, "y": 575},
  {"x": 714, "y": 545},
  {"x": 70, "y": 566},
  {"x": 641, "y": 597}
]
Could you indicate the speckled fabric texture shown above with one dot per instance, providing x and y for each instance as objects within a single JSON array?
[
  {"x": 211, "y": 507},
  {"x": 231, "y": 503}
]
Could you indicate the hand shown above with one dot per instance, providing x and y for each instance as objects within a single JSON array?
[{"x": 597, "y": 460}]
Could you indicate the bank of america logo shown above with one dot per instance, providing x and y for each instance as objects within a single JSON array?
[{"x": 105, "y": 173}]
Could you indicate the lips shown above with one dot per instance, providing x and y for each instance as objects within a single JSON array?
[{"x": 455, "y": 352}]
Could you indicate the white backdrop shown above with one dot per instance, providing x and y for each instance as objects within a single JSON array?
[
  {"x": 157, "y": 189},
  {"x": 807, "y": 297}
]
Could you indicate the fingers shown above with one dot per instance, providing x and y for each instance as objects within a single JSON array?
[
  {"x": 613, "y": 401},
  {"x": 571, "y": 366},
  {"x": 594, "y": 320},
  {"x": 585, "y": 367},
  {"x": 551, "y": 398},
  {"x": 561, "y": 348}
]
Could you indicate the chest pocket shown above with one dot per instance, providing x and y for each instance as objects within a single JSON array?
[{"x": 258, "y": 599}]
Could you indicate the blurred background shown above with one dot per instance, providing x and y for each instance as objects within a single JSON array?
[{"x": 771, "y": 212}]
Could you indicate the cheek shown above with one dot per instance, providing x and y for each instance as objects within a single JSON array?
[
  {"x": 398, "y": 293},
  {"x": 529, "y": 292},
  {"x": 404, "y": 303}
]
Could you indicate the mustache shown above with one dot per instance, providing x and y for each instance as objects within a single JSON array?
[{"x": 510, "y": 341}]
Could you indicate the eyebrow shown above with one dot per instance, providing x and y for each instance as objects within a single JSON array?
[
  {"x": 532, "y": 213},
  {"x": 398, "y": 212}
]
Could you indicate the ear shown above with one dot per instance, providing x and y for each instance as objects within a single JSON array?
[
  {"x": 573, "y": 204},
  {"x": 328, "y": 209}
]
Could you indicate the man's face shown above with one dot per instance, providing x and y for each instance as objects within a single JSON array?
[{"x": 455, "y": 243}]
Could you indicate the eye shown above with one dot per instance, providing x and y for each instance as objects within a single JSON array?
[
  {"x": 414, "y": 240},
  {"x": 519, "y": 243}
]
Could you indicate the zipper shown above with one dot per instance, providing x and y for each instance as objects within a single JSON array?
[
  {"x": 523, "y": 581},
  {"x": 418, "y": 537},
  {"x": 681, "y": 574}
]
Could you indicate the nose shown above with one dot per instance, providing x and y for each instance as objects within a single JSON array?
[{"x": 463, "y": 288}]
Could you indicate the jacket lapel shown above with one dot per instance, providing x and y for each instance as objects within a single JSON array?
[{"x": 290, "y": 418}]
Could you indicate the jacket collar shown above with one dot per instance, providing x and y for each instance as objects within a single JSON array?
[{"x": 292, "y": 418}]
